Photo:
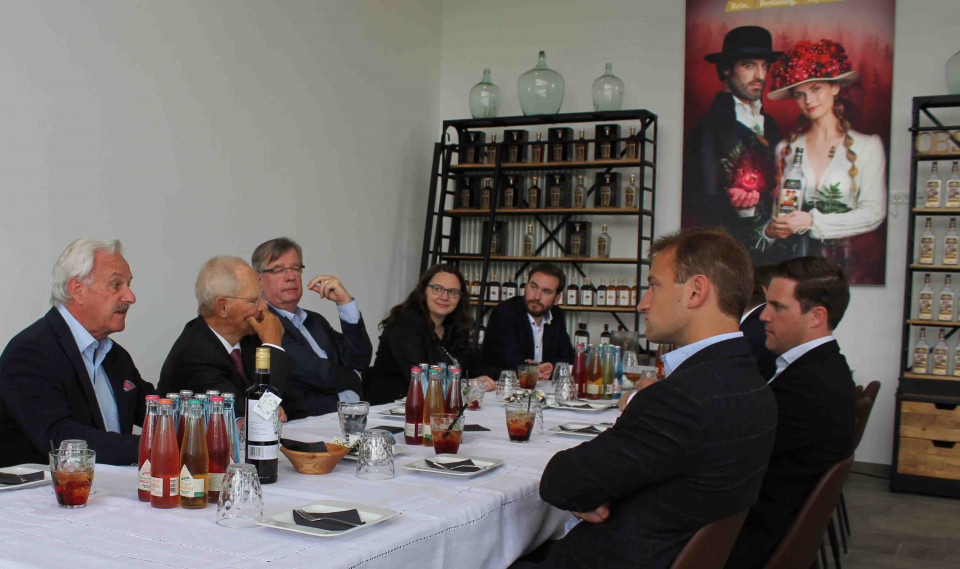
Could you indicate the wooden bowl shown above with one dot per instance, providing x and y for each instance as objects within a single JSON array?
[{"x": 315, "y": 462}]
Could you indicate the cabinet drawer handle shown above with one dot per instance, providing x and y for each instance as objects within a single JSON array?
[{"x": 943, "y": 444}]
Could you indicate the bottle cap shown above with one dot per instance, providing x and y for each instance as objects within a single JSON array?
[
  {"x": 216, "y": 399},
  {"x": 263, "y": 358},
  {"x": 153, "y": 397}
]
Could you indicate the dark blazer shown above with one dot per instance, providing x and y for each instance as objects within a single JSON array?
[
  {"x": 315, "y": 383},
  {"x": 755, "y": 332},
  {"x": 815, "y": 430},
  {"x": 46, "y": 395},
  {"x": 688, "y": 450},
  {"x": 509, "y": 340},
  {"x": 407, "y": 342},
  {"x": 198, "y": 362}
]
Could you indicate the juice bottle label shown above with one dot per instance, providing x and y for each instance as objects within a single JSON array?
[
  {"x": 190, "y": 487},
  {"x": 427, "y": 434},
  {"x": 161, "y": 486},
  {"x": 144, "y": 480},
  {"x": 593, "y": 389},
  {"x": 413, "y": 429},
  {"x": 215, "y": 479}
]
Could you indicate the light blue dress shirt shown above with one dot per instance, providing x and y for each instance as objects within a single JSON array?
[
  {"x": 672, "y": 360},
  {"x": 349, "y": 313},
  {"x": 93, "y": 353}
]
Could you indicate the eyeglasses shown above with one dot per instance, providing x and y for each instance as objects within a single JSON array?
[
  {"x": 254, "y": 300},
  {"x": 439, "y": 290},
  {"x": 280, "y": 270}
]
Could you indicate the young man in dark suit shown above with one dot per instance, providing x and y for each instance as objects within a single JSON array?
[
  {"x": 530, "y": 328},
  {"x": 752, "y": 327},
  {"x": 815, "y": 399},
  {"x": 217, "y": 349},
  {"x": 63, "y": 377},
  {"x": 687, "y": 450},
  {"x": 328, "y": 363}
]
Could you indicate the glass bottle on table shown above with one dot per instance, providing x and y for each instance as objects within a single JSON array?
[
  {"x": 579, "y": 194},
  {"x": 185, "y": 395},
  {"x": 230, "y": 418},
  {"x": 454, "y": 398},
  {"x": 529, "y": 242},
  {"x": 951, "y": 244},
  {"x": 413, "y": 410},
  {"x": 925, "y": 300},
  {"x": 594, "y": 383},
  {"x": 952, "y": 194},
  {"x": 601, "y": 295},
  {"x": 432, "y": 404},
  {"x": 194, "y": 459},
  {"x": 921, "y": 354},
  {"x": 941, "y": 355},
  {"x": 573, "y": 293},
  {"x": 165, "y": 460},
  {"x": 579, "y": 371},
  {"x": 175, "y": 397},
  {"x": 143, "y": 450},
  {"x": 934, "y": 189},
  {"x": 927, "y": 253},
  {"x": 263, "y": 445},
  {"x": 609, "y": 370},
  {"x": 946, "y": 302},
  {"x": 587, "y": 293},
  {"x": 218, "y": 449}
]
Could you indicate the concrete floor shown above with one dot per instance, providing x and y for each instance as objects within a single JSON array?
[{"x": 892, "y": 530}]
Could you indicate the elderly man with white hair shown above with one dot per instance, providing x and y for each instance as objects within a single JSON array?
[{"x": 63, "y": 377}]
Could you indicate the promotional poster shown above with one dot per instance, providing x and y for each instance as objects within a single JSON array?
[{"x": 787, "y": 127}]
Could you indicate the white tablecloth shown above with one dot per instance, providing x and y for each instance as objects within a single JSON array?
[{"x": 445, "y": 521}]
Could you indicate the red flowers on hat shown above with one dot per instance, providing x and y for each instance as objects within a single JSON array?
[{"x": 808, "y": 60}]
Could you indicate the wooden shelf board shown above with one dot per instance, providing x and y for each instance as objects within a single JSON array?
[
  {"x": 549, "y": 211},
  {"x": 498, "y": 258},
  {"x": 623, "y": 309},
  {"x": 934, "y": 323},
  {"x": 912, "y": 375},
  {"x": 949, "y": 268},
  {"x": 554, "y": 165}
]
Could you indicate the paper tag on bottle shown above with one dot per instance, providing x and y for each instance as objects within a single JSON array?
[
  {"x": 190, "y": 487},
  {"x": 267, "y": 405},
  {"x": 143, "y": 482}
]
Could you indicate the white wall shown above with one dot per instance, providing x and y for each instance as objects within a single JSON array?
[
  {"x": 189, "y": 129},
  {"x": 645, "y": 41}
]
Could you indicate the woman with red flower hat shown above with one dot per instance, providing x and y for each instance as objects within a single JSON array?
[{"x": 844, "y": 170}]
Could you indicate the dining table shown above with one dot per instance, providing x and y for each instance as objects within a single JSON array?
[{"x": 442, "y": 520}]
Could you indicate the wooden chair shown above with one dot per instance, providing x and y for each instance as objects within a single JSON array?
[
  {"x": 711, "y": 545},
  {"x": 800, "y": 545}
]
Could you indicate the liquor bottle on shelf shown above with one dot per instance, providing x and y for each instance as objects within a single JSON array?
[
  {"x": 587, "y": 293},
  {"x": 432, "y": 403},
  {"x": 485, "y": 194},
  {"x": 580, "y": 149},
  {"x": 623, "y": 294},
  {"x": 508, "y": 290},
  {"x": 925, "y": 300},
  {"x": 951, "y": 244},
  {"x": 956, "y": 360},
  {"x": 630, "y": 145},
  {"x": 413, "y": 410},
  {"x": 493, "y": 289},
  {"x": 793, "y": 186},
  {"x": 934, "y": 189},
  {"x": 921, "y": 353},
  {"x": 606, "y": 145},
  {"x": 612, "y": 292},
  {"x": 492, "y": 150},
  {"x": 523, "y": 286},
  {"x": 482, "y": 335},
  {"x": 605, "y": 335},
  {"x": 533, "y": 194},
  {"x": 465, "y": 193},
  {"x": 262, "y": 442},
  {"x": 945, "y": 306},
  {"x": 927, "y": 245},
  {"x": 475, "y": 285},
  {"x": 952, "y": 195},
  {"x": 581, "y": 336},
  {"x": 510, "y": 193},
  {"x": 580, "y": 194},
  {"x": 536, "y": 151},
  {"x": 630, "y": 193},
  {"x": 573, "y": 293},
  {"x": 529, "y": 242},
  {"x": 634, "y": 293},
  {"x": 602, "y": 292},
  {"x": 555, "y": 193},
  {"x": 603, "y": 243},
  {"x": 941, "y": 355},
  {"x": 607, "y": 199}
]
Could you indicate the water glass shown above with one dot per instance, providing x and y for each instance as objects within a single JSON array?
[
  {"x": 375, "y": 455},
  {"x": 507, "y": 384},
  {"x": 72, "y": 473},
  {"x": 528, "y": 374},
  {"x": 566, "y": 390},
  {"x": 560, "y": 370},
  {"x": 353, "y": 418},
  {"x": 473, "y": 392},
  {"x": 241, "y": 499}
]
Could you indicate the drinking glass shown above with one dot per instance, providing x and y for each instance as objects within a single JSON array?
[
  {"x": 528, "y": 374},
  {"x": 375, "y": 456},
  {"x": 473, "y": 392},
  {"x": 507, "y": 384},
  {"x": 566, "y": 390},
  {"x": 353, "y": 418},
  {"x": 560, "y": 370},
  {"x": 447, "y": 429},
  {"x": 72, "y": 473},
  {"x": 241, "y": 499},
  {"x": 520, "y": 420}
]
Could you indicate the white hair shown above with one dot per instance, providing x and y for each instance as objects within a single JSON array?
[
  {"x": 76, "y": 262},
  {"x": 218, "y": 277}
]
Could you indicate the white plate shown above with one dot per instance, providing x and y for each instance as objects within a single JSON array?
[
  {"x": 372, "y": 515},
  {"x": 26, "y": 469},
  {"x": 599, "y": 426},
  {"x": 394, "y": 412},
  {"x": 397, "y": 450},
  {"x": 485, "y": 464},
  {"x": 595, "y": 406}
]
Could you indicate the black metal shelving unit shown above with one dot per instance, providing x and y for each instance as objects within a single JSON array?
[
  {"x": 442, "y": 231},
  {"x": 926, "y": 403}
]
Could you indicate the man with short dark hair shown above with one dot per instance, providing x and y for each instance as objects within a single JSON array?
[
  {"x": 815, "y": 395},
  {"x": 63, "y": 377},
  {"x": 751, "y": 325},
  {"x": 530, "y": 328},
  {"x": 328, "y": 363},
  {"x": 688, "y": 450}
]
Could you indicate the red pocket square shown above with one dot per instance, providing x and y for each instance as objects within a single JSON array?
[{"x": 128, "y": 385}]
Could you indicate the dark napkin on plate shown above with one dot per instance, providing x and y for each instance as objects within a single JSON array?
[
  {"x": 589, "y": 429},
  {"x": 576, "y": 405},
  {"x": 474, "y": 428},
  {"x": 300, "y": 446},
  {"x": 390, "y": 428},
  {"x": 328, "y": 521},
  {"x": 458, "y": 466},
  {"x": 11, "y": 479}
]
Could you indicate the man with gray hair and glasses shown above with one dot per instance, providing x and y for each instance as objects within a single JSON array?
[
  {"x": 63, "y": 377},
  {"x": 217, "y": 349},
  {"x": 328, "y": 362}
]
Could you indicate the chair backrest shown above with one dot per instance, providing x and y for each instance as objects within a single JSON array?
[
  {"x": 872, "y": 389},
  {"x": 801, "y": 543},
  {"x": 711, "y": 545},
  {"x": 858, "y": 391},
  {"x": 864, "y": 406}
]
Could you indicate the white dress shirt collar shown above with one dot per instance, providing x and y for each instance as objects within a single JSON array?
[{"x": 796, "y": 352}]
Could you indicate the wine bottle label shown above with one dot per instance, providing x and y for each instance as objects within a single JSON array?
[
  {"x": 514, "y": 153},
  {"x": 631, "y": 150},
  {"x": 262, "y": 452},
  {"x": 946, "y": 307},
  {"x": 508, "y": 196},
  {"x": 951, "y": 248},
  {"x": 605, "y": 151},
  {"x": 633, "y": 298},
  {"x": 601, "y": 298},
  {"x": 160, "y": 483},
  {"x": 605, "y": 193},
  {"x": 602, "y": 249},
  {"x": 623, "y": 298},
  {"x": 413, "y": 429},
  {"x": 926, "y": 250},
  {"x": 933, "y": 193},
  {"x": 956, "y": 363},
  {"x": 586, "y": 297},
  {"x": 554, "y": 196},
  {"x": 940, "y": 358},
  {"x": 215, "y": 481},
  {"x": 259, "y": 429},
  {"x": 485, "y": 200},
  {"x": 143, "y": 483},
  {"x": 527, "y": 248},
  {"x": 465, "y": 199},
  {"x": 494, "y": 293},
  {"x": 630, "y": 199},
  {"x": 920, "y": 356},
  {"x": 581, "y": 153},
  {"x": 611, "y": 297},
  {"x": 925, "y": 311},
  {"x": 572, "y": 297},
  {"x": 190, "y": 487},
  {"x": 953, "y": 193},
  {"x": 578, "y": 199},
  {"x": 267, "y": 406},
  {"x": 604, "y": 340}
]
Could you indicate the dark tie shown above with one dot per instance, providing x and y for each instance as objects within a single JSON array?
[{"x": 237, "y": 362}]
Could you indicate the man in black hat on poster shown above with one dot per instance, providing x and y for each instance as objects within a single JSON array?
[{"x": 730, "y": 171}]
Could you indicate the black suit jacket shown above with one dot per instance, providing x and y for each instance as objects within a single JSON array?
[
  {"x": 815, "y": 429},
  {"x": 687, "y": 451},
  {"x": 46, "y": 395},
  {"x": 315, "y": 383},
  {"x": 509, "y": 340},
  {"x": 755, "y": 332},
  {"x": 198, "y": 362}
]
